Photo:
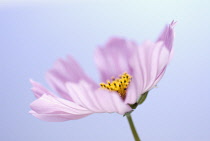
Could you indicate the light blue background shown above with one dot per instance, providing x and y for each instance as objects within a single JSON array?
[{"x": 33, "y": 36}]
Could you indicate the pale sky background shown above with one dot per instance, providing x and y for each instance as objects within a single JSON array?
[{"x": 33, "y": 34}]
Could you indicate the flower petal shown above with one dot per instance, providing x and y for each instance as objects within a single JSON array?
[
  {"x": 132, "y": 92},
  {"x": 167, "y": 36},
  {"x": 148, "y": 63},
  {"x": 51, "y": 108},
  {"x": 57, "y": 117},
  {"x": 112, "y": 59},
  {"x": 39, "y": 90},
  {"x": 97, "y": 100},
  {"x": 65, "y": 70}
]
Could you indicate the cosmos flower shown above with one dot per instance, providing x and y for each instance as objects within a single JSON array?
[{"x": 127, "y": 72}]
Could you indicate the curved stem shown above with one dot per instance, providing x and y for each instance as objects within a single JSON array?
[{"x": 133, "y": 129}]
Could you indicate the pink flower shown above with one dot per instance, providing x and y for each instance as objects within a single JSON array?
[{"x": 80, "y": 96}]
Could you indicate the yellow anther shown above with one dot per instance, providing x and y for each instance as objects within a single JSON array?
[{"x": 119, "y": 84}]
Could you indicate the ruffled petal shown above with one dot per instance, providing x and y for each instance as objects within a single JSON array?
[
  {"x": 51, "y": 108},
  {"x": 39, "y": 90},
  {"x": 132, "y": 92},
  {"x": 56, "y": 118},
  {"x": 167, "y": 36},
  {"x": 97, "y": 100},
  {"x": 66, "y": 70},
  {"x": 148, "y": 63},
  {"x": 112, "y": 59}
]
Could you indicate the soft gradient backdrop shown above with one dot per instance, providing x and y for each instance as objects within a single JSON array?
[{"x": 34, "y": 34}]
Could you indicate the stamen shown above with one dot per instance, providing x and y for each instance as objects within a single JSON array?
[{"x": 119, "y": 84}]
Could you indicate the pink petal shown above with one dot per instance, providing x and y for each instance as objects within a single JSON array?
[
  {"x": 39, "y": 90},
  {"x": 66, "y": 70},
  {"x": 97, "y": 100},
  {"x": 167, "y": 36},
  {"x": 148, "y": 63},
  {"x": 133, "y": 92},
  {"x": 112, "y": 59},
  {"x": 56, "y": 118},
  {"x": 51, "y": 108}
]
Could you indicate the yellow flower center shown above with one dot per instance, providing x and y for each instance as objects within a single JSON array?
[{"x": 119, "y": 84}]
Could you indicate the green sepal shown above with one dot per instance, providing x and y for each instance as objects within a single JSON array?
[
  {"x": 133, "y": 106},
  {"x": 128, "y": 113},
  {"x": 142, "y": 98}
]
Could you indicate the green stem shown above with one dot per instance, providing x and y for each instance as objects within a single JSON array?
[{"x": 133, "y": 129}]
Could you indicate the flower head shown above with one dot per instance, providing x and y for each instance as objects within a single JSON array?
[{"x": 127, "y": 71}]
